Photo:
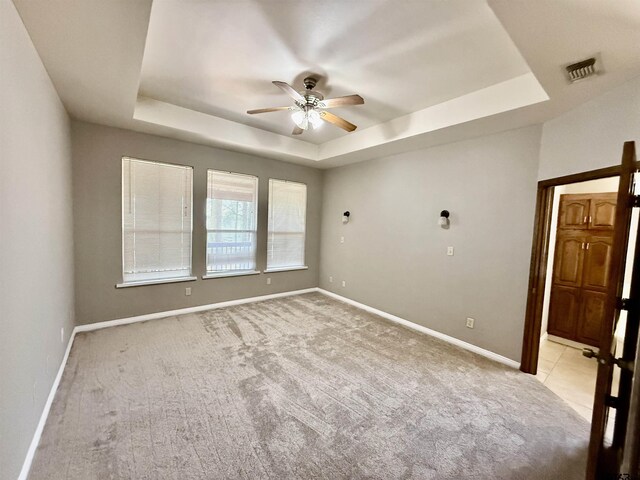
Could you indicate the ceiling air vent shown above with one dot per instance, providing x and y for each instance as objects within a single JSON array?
[{"x": 581, "y": 70}]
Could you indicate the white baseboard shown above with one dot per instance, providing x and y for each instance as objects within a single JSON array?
[
  {"x": 26, "y": 466},
  {"x": 182, "y": 311},
  {"x": 428, "y": 331}
]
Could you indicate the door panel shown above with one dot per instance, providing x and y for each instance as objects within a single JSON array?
[
  {"x": 569, "y": 258},
  {"x": 604, "y": 461},
  {"x": 591, "y": 315},
  {"x": 574, "y": 212},
  {"x": 603, "y": 211},
  {"x": 597, "y": 262},
  {"x": 563, "y": 311}
]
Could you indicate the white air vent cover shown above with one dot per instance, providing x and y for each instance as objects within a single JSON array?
[{"x": 581, "y": 70}]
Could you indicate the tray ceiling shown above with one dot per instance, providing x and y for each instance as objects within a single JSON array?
[
  {"x": 219, "y": 58},
  {"x": 430, "y": 71}
]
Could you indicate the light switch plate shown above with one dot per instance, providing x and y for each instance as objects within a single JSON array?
[{"x": 450, "y": 251}]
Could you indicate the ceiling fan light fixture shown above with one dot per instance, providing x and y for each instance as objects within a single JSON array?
[
  {"x": 300, "y": 119},
  {"x": 314, "y": 118},
  {"x": 307, "y": 118}
]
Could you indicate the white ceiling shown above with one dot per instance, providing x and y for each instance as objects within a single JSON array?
[
  {"x": 219, "y": 58},
  {"x": 430, "y": 71}
]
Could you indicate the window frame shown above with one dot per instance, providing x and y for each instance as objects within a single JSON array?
[
  {"x": 289, "y": 268},
  {"x": 136, "y": 283},
  {"x": 232, "y": 273}
]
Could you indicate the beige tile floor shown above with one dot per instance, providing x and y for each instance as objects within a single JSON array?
[{"x": 572, "y": 376}]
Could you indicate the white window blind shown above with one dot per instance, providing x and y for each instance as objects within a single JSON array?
[
  {"x": 287, "y": 219},
  {"x": 232, "y": 207},
  {"x": 156, "y": 220}
]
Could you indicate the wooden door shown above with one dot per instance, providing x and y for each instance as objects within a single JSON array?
[
  {"x": 590, "y": 317},
  {"x": 607, "y": 461},
  {"x": 597, "y": 262},
  {"x": 582, "y": 262},
  {"x": 602, "y": 211},
  {"x": 564, "y": 311},
  {"x": 569, "y": 258},
  {"x": 574, "y": 212}
]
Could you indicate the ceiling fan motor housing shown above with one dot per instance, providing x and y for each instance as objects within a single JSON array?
[
  {"x": 311, "y": 96},
  {"x": 310, "y": 83}
]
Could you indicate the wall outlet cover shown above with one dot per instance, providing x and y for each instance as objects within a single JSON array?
[
  {"x": 268, "y": 280},
  {"x": 450, "y": 251},
  {"x": 470, "y": 322},
  {"x": 187, "y": 291}
]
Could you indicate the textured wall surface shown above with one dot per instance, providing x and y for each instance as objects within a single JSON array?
[
  {"x": 97, "y": 170},
  {"x": 36, "y": 238},
  {"x": 394, "y": 253}
]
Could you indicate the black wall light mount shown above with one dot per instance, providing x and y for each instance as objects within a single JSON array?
[{"x": 444, "y": 219}]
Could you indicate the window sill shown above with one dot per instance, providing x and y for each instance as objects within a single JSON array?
[
  {"x": 230, "y": 274},
  {"x": 155, "y": 282},
  {"x": 285, "y": 269}
]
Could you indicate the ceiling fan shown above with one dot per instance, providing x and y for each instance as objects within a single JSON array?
[{"x": 308, "y": 111}]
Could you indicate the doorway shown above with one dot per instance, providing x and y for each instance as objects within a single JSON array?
[
  {"x": 579, "y": 255},
  {"x": 617, "y": 388}
]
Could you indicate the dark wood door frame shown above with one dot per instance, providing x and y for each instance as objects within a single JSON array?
[{"x": 539, "y": 258}]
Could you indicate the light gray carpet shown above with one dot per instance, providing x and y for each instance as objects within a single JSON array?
[{"x": 298, "y": 387}]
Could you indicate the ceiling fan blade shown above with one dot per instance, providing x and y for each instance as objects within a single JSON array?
[
  {"x": 272, "y": 109},
  {"x": 297, "y": 130},
  {"x": 288, "y": 89},
  {"x": 341, "y": 101},
  {"x": 338, "y": 121}
]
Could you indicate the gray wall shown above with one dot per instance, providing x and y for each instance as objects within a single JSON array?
[
  {"x": 36, "y": 242},
  {"x": 394, "y": 254},
  {"x": 591, "y": 135},
  {"x": 97, "y": 154}
]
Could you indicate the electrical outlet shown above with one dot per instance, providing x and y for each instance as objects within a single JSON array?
[
  {"x": 344, "y": 284},
  {"x": 187, "y": 291},
  {"x": 33, "y": 397},
  {"x": 330, "y": 279},
  {"x": 341, "y": 239},
  {"x": 268, "y": 280},
  {"x": 62, "y": 335},
  {"x": 450, "y": 251},
  {"x": 470, "y": 322}
]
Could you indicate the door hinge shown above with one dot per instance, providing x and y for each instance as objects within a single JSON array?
[
  {"x": 624, "y": 304},
  {"x": 611, "y": 401},
  {"x": 635, "y": 201}
]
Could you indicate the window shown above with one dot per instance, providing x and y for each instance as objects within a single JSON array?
[
  {"x": 287, "y": 217},
  {"x": 232, "y": 207},
  {"x": 156, "y": 221}
]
